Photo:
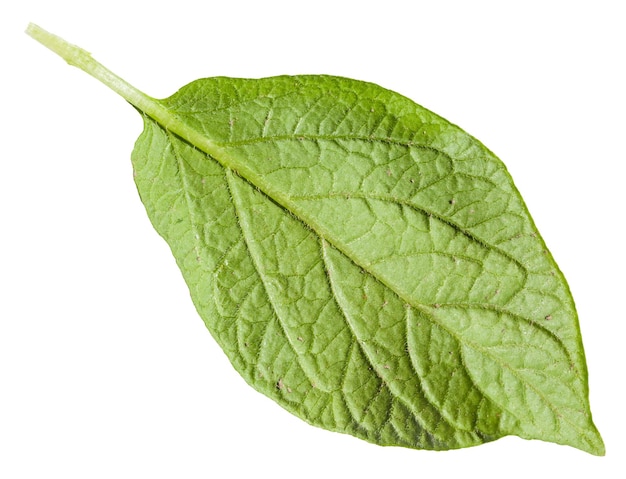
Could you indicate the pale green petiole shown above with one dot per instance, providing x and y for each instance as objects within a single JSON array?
[{"x": 80, "y": 58}]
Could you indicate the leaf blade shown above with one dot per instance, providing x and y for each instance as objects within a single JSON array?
[{"x": 347, "y": 179}]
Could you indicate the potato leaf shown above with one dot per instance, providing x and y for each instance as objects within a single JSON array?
[{"x": 363, "y": 262}]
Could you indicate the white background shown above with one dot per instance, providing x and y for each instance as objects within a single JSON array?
[{"x": 106, "y": 371}]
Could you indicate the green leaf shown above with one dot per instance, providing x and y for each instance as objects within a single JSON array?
[{"x": 363, "y": 262}]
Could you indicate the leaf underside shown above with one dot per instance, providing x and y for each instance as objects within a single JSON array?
[{"x": 366, "y": 264}]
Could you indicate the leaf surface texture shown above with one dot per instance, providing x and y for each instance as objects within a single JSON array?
[{"x": 366, "y": 264}]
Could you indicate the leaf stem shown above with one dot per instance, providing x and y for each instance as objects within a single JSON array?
[
  {"x": 76, "y": 56},
  {"x": 82, "y": 59}
]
